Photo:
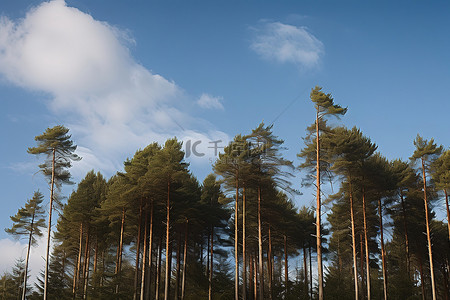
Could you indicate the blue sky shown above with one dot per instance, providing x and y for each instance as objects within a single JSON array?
[{"x": 122, "y": 74}]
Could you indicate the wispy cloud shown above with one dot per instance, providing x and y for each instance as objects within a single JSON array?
[
  {"x": 112, "y": 104},
  {"x": 210, "y": 102},
  {"x": 284, "y": 43}
]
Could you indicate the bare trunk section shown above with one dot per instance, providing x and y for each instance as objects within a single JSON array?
[
  {"x": 158, "y": 269},
  {"x": 305, "y": 269},
  {"x": 150, "y": 251},
  {"x": 383, "y": 251},
  {"x": 430, "y": 252},
  {"x": 270, "y": 264},
  {"x": 183, "y": 283},
  {"x": 405, "y": 228},
  {"x": 119, "y": 251},
  {"x": 366, "y": 244},
  {"x": 144, "y": 255},
  {"x": 355, "y": 269},
  {"x": 250, "y": 263},
  {"x": 260, "y": 250},
  {"x": 76, "y": 272},
  {"x": 422, "y": 278},
  {"x": 318, "y": 214},
  {"x": 49, "y": 230},
  {"x": 286, "y": 271},
  {"x": 87, "y": 253},
  {"x": 178, "y": 267},
  {"x": 310, "y": 273},
  {"x": 212, "y": 265},
  {"x": 138, "y": 252},
  {"x": 167, "y": 277}
]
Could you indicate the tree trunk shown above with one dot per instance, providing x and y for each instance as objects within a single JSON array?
[
  {"x": 144, "y": 255},
  {"x": 260, "y": 250},
  {"x": 183, "y": 283},
  {"x": 49, "y": 231},
  {"x": 138, "y": 252},
  {"x": 24, "y": 291},
  {"x": 305, "y": 269},
  {"x": 96, "y": 256},
  {"x": 119, "y": 256},
  {"x": 448, "y": 212},
  {"x": 355, "y": 270},
  {"x": 212, "y": 265},
  {"x": 361, "y": 256},
  {"x": 76, "y": 273},
  {"x": 422, "y": 279},
  {"x": 167, "y": 277},
  {"x": 405, "y": 228},
  {"x": 310, "y": 273},
  {"x": 87, "y": 253},
  {"x": 177, "y": 279},
  {"x": 150, "y": 251},
  {"x": 86, "y": 280},
  {"x": 383, "y": 251},
  {"x": 318, "y": 214},
  {"x": 236, "y": 256},
  {"x": 158, "y": 271},
  {"x": 255, "y": 278},
  {"x": 244, "y": 270},
  {"x": 430, "y": 252},
  {"x": 286, "y": 271},
  {"x": 366, "y": 244},
  {"x": 251, "y": 277},
  {"x": 270, "y": 264}
]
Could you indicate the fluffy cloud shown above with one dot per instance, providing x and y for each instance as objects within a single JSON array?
[
  {"x": 285, "y": 43},
  {"x": 112, "y": 104},
  {"x": 210, "y": 102}
]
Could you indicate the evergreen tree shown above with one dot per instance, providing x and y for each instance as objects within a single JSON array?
[
  {"x": 441, "y": 176},
  {"x": 28, "y": 222},
  {"x": 426, "y": 152},
  {"x": 324, "y": 105},
  {"x": 55, "y": 143}
]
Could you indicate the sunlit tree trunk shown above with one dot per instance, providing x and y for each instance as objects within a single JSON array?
[
  {"x": 318, "y": 214},
  {"x": 244, "y": 269},
  {"x": 355, "y": 269},
  {"x": 138, "y": 252},
  {"x": 144, "y": 255},
  {"x": 260, "y": 250},
  {"x": 49, "y": 231},
  {"x": 383, "y": 251},
  {"x": 167, "y": 277},
  {"x": 366, "y": 243}
]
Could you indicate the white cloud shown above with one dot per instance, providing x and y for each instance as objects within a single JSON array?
[
  {"x": 285, "y": 43},
  {"x": 210, "y": 102},
  {"x": 112, "y": 104}
]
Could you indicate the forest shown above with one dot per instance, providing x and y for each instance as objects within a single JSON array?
[{"x": 153, "y": 231}]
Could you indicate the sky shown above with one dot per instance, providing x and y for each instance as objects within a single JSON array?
[{"x": 122, "y": 74}]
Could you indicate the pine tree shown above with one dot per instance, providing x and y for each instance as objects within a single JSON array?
[
  {"x": 28, "y": 222},
  {"x": 324, "y": 105},
  {"x": 441, "y": 176},
  {"x": 55, "y": 143},
  {"x": 426, "y": 152}
]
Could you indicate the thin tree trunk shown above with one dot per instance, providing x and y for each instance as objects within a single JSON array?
[
  {"x": 183, "y": 283},
  {"x": 119, "y": 256},
  {"x": 361, "y": 256},
  {"x": 150, "y": 251},
  {"x": 270, "y": 264},
  {"x": 207, "y": 256},
  {"x": 255, "y": 282},
  {"x": 212, "y": 265},
  {"x": 76, "y": 272},
  {"x": 236, "y": 256},
  {"x": 260, "y": 250},
  {"x": 448, "y": 212},
  {"x": 96, "y": 256},
  {"x": 167, "y": 277},
  {"x": 366, "y": 244},
  {"x": 422, "y": 278},
  {"x": 305, "y": 269},
  {"x": 158, "y": 267},
  {"x": 24, "y": 292},
  {"x": 355, "y": 270},
  {"x": 85, "y": 261},
  {"x": 138, "y": 252},
  {"x": 383, "y": 251},
  {"x": 144, "y": 255},
  {"x": 86, "y": 280},
  {"x": 286, "y": 271},
  {"x": 244, "y": 270},
  {"x": 251, "y": 277},
  {"x": 430, "y": 252},
  {"x": 318, "y": 214},
  {"x": 310, "y": 273},
  {"x": 405, "y": 227},
  {"x": 177, "y": 279},
  {"x": 47, "y": 255}
]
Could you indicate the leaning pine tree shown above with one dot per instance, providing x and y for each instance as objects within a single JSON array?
[
  {"x": 55, "y": 143},
  {"x": 28, "y": 222},
  {"x": 324, "y": 105}
]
